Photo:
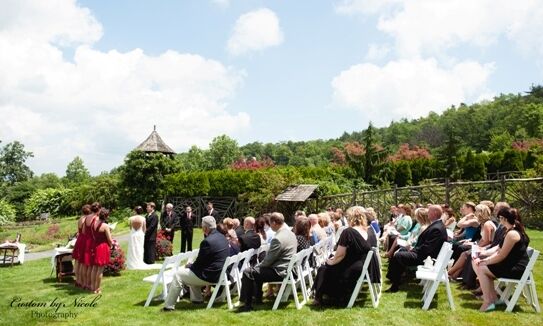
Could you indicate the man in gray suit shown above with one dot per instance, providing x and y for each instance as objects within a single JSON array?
[{"x": 274, "y": 266}]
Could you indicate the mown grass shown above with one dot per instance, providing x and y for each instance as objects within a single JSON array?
[
  {"x": 123, "y": 298},
  {"x": 46, "y": 236}
]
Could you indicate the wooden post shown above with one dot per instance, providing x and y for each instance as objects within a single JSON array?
[
  {"x": 447, "y": 192},
  {"x": 503, "y": 185},
  {"x": 395, "y": 195}
]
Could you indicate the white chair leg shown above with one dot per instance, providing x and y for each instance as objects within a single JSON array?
[
  {"x": 354, "y": 295},
  {"x": 279, "y": 295},
  {"x": 228, "y": 296},
  {"x": 151, "y": 294},
  {"x": 213, "y": 296},
  {"x": 430, "y": 295},
  {"x": 533, "y": 294},
  {"x": 514, "y": 298},
  {"x": 449, "y": 294}
]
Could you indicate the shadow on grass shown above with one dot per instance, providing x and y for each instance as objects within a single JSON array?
[{"x": 68, "y": 287}]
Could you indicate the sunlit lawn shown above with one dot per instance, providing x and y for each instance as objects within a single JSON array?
[{"x": 123, "y": 298}]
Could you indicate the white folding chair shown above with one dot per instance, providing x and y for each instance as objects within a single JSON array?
[
  {"x": 525, "y": 284},
  {"x": 165, "y": 276},
  {"x": 364, "y": 278},
  {"x": 434, "y": 276},
  {"x": 378, "y": 287},
  {"x": 304, "y": 272},
  {"x": 263, "y": 249},
  {"x": 244, "y": 259},
  {"x": 224, "y": 281},
  {"x": 290, "y": 281},
  {"x": 339, "y": 231}
]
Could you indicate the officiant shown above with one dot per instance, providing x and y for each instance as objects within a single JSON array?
[{"x": 168, "y": 222}]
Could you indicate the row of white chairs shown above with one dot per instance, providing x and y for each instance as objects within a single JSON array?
[{"x": 432, "y": 277}]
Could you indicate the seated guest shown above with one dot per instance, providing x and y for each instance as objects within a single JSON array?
[
  {"x": 260, "y": 229},
  {"x": 468, "y": 224},
  {"x": 230, "y": 235},
  {"x": 448, "y": 217},
  {"x": 302, "y": 231},
  {"x": 326, "y": 223},
  {"x": 206, "y": 268},
  {"x": 421, "y": 216},
  {"x": 401, "y": 226},
  {"x": 488, "y": 228},
  {"x": 274, "y": 266},
  {"x": 237, "y": 227},
  {"x": 337, "y": 278},
  {"x": 469, "y": 278},
  {"x": 249, "y": 239},
  {"x": 317, "y": 232},
  {"x": 299, "y": 214},
  {"x": 428, "y": 244},
  {"x": 267, "y": 227},
  {"x": 509, "y": 259},
  {"x": 373, "y": 221}
]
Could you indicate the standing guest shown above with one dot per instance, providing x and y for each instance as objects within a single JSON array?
[
  {"x": 337, "y": 278},
  {"x": 102, "y": 242},
  {"x": 151, "y": 220},
  {"x": 79, "y": 248},
  {"x": 206, "y": 268},
  {"x": 187, "y": 225},
  {"x": 168, "y": 222},
  {"x": 249, "y": 239},
  {"x": 213, "y": 212},
  {"x": 428, "y": 244},
  {"x": 302, "y": 231},
  {"x": 90, "y": 221},
  {"x": 508, "y": 260},
  {"x": 274, "y": 266}
]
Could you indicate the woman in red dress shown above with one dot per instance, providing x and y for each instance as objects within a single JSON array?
[
  {"x": 79, "y": 247},
  {"x": 102, "y": 242},
  {"x": 88, "y": 252}
]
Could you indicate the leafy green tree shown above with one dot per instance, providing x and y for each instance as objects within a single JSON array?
[
  {"x": 223, "y": 151},
  {"x": 473, "y": 167},
  {"x": 142, "y": 177},
  {"x": 76, "y": 172},
  {"x": 402, "y": 175},
  {"x": 500, "y": 142},
  {"x": 194, "y": 160},
  {"x": 12, "y": 163}
]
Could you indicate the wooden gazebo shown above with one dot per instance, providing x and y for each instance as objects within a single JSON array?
[
  {"x": 155, "y": 144},
  {"x": 294, "y": 197}
]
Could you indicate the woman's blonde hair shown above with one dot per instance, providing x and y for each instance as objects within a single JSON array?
[
  {"x": 370, "y": 214},
  {"x": 356, "y": 216},
  {"x": 483, "y": 213},
  {"x": 324, "y": 219},
  {"x": 228, "y": 222},
  {"x": 421, "y": 215}
]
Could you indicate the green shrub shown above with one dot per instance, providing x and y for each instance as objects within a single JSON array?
[
  {"x": 53, "y": 201},
  {"x": 7, "y": 212}
]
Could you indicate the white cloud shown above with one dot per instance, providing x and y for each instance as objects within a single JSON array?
[
  {"x": 350, "y": 7},
  {"x": 429, "y": 27},
  {"x": 100, "y": 105},
  {"x": 377, "y": 52},
  {"x": 255, "y": 30},
  {"x": 408, "y": 88}
]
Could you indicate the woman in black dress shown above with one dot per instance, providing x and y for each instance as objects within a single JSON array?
[
  {"x": 509, "y": 260},
  {"x": 302, "y": 231},
  {"x": 337, "y": 278}
]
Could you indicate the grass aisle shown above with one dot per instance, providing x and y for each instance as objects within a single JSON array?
[{"x": 123, "y": 297}]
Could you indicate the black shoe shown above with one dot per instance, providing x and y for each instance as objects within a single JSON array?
[
  {"x": 244, "y": 308},
  {"x": 258, "y": 301},
  {"x": 167, "y": 309},
  {"x": 393, "y": 289}
]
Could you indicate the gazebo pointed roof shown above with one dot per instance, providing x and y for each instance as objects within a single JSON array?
[{"x": 155, "y": 144}]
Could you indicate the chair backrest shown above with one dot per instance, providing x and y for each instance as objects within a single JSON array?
[
  {"x": 339, "y": 231},
  {"x": 442, "y": 259},
  {"x": 532, "y": 255},
  {"x": 230, "y": 261},
  {"x": 173, "y": 261},
  {"x": 192, "y": 255},
  {"x": 244, "y": 258},
  {"x": 443, "y": 252}
]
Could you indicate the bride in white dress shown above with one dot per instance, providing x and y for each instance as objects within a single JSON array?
[{"x": 135, "y": 242}]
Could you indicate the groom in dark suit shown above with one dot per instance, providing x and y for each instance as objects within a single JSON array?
[
  {"x": 149, "y": 245},
  {"x": 428, "y": 244}
]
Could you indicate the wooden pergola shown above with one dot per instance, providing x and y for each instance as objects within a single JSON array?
[
  {"x": 294, "y": 197},
  {"x": 155, "y": 144}
]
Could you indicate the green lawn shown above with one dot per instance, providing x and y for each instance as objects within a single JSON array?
[
  {"x": 123, "y": 298},
  {"x": 46, "y": 236}
]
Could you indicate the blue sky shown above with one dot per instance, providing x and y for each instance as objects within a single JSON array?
[{"x": 91, "y": 78}]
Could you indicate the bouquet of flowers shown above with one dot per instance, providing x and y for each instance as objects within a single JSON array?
[
  {"x": 164, "y": 246},
  {"x": 116, "y": 261}
]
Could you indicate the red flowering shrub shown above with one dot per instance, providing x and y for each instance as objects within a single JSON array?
[
  {"x": 405, "y": 153},
  {"x": 116, "y": 261},
  {"x": 252, "y": 164},
  {"x": 164, "y": 246}
]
